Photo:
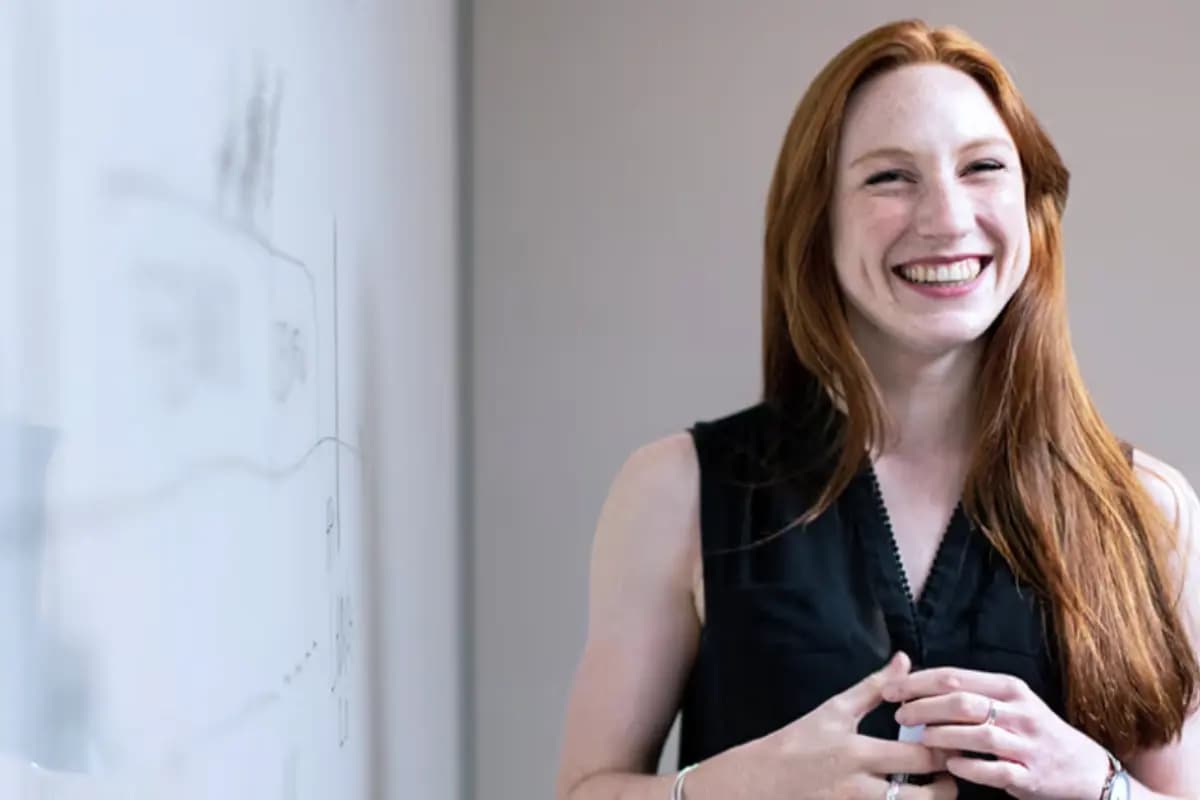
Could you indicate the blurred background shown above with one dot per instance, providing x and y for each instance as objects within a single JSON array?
[{"x": 324, "y": 326}]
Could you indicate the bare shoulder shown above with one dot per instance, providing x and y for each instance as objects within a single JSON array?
[
  {"x": 1177, "y": 501},
  {"x": 664, "y": 470},
  {"x": 1171, "y": 492},
  {"x": 649, "y": 523}
]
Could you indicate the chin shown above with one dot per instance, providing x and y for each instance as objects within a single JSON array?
[{"x": 944, "y": 339}]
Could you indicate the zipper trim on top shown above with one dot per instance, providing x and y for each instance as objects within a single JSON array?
[
  {"x": 898, "y": 562},
  {"x": 935, "y": 564}
]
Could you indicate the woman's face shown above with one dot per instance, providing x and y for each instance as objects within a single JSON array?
[{"x": 930, "y": 234}]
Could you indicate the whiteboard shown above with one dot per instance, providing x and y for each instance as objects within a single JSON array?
[{"x": 182, "y": 515}]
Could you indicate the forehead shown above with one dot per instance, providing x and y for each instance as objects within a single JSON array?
[{"x": 924, "y": 108}]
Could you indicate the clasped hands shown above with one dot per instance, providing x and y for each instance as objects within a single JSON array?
[{"x": 1038, "y": 755}]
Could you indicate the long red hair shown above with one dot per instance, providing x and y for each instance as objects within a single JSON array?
[{"x": 1048, "y": 483}]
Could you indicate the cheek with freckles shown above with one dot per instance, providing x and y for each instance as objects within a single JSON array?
[
  {"x": 1009, "y": 223},
  {"x": 863, "y": 248},
  {"x": 884, "y": 222}
]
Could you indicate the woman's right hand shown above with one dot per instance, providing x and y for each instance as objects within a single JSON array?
[{"x": 821, "y": 756}]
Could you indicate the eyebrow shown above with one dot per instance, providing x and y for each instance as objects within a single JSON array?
[{"x": 900, "y": 152}]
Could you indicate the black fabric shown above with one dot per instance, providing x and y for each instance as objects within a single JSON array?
[{"x": 795, "y": 618}]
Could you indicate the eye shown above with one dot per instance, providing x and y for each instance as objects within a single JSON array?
[
  {"x": 888, "y": 176},
  {"x": 985, "y": 166}
]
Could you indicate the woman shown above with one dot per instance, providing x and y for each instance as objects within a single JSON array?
[{"x": 924, "y": 522}]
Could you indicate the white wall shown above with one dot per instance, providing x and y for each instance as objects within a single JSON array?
[
  {"x": 413, "y": 350},
  {"x": 622, "y": 156}
]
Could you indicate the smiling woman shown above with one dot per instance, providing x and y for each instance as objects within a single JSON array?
[{"x": 924, "y": 521}]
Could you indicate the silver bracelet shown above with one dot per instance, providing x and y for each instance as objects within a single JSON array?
[{"x": 677, "y": 789}]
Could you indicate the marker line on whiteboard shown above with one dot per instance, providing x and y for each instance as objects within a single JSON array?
[
  {"x": 86, "y": 513},
  {"x": 130, "y": 181},
  {"x": 136, "y": 182}
]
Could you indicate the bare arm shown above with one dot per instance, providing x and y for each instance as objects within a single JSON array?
[
  {"x": 1174, "y": 769},
  {"x": 643, "y": 628}
]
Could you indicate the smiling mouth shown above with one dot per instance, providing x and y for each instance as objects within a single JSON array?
[{"x": 943, "y": 273}]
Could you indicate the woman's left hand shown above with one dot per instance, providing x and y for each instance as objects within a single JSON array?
[{"x": 1039, "y": 756}]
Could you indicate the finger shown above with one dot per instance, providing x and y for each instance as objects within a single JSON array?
[
  {"x": 944, "y": 680},
  {"x": 858, "y": 701},
  {"x": 887, "y": 757},
  {"x": 944, "y": 709},
  {"x": 1006, "y": 775},
  {"x": 977, "y": 739},
  {"x": 944, "y": 788}
]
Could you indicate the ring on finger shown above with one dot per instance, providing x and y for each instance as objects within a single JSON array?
[
  {"x": 893, "y": 791},
  {"x": 991, "y": 714}
]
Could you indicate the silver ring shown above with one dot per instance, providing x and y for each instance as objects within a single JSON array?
[
  {"x": 893, "y": 791},
  {"x": 991, "y": 715}
]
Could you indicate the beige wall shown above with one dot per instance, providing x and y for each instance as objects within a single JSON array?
[{"x": 622, "y": 153}]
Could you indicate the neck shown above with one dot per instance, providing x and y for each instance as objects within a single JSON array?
[{"x": 929, "y": 398}]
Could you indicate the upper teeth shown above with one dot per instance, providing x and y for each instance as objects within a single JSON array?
[{"x": 963, "y": 270}]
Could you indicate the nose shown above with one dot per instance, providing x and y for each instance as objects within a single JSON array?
[{"x": 944, "y": 210}]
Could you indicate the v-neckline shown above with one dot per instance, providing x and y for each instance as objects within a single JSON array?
[{"x": 916, "y": 612}]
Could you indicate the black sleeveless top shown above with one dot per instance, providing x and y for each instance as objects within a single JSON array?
[{"x": 791, "y": 621}]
